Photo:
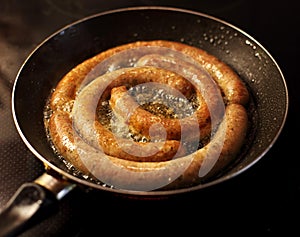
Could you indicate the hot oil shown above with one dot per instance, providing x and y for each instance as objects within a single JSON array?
[
  {"x": 162, "y": 102},
  {"x": 156, "y": 100}
]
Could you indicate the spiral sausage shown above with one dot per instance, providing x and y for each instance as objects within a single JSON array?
[{"x": 88, "y": 144}]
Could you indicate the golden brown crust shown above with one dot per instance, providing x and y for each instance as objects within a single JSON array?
[{"x": 144, "y": 174}]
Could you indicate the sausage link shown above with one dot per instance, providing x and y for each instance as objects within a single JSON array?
[{"x": 93, "y": 149}]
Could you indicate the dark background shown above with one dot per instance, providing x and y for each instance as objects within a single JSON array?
[{"x": 263, "y": 200}]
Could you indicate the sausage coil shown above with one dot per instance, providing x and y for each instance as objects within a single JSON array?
[{"x": 149, "y": 115}]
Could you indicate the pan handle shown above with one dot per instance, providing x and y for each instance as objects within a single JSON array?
[{"x": 31, "y": 203}]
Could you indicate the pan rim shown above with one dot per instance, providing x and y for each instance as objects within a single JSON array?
[{"x": 88, "y": 184}]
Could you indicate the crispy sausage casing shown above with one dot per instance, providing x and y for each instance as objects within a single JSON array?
[{"x": 170, "y": 152}]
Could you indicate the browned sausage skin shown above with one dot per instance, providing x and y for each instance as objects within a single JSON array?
[{"x": 77, "y": 142}]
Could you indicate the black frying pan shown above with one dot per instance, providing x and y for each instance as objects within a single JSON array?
[{"x": 81, "y": 40}]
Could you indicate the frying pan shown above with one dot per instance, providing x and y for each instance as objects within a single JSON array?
[{"x": 80, "y": 40}]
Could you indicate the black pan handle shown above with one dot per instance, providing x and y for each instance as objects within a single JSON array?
[{"x": 32, "y": 203}]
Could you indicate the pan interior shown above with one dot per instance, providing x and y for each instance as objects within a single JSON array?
[{"x": 81, "y": 40}]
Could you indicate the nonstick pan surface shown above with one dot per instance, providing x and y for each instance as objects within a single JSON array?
[{"x": 71, "y": 45}]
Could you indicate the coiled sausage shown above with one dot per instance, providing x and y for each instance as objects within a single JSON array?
[{"x": 79, "y": 137}]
